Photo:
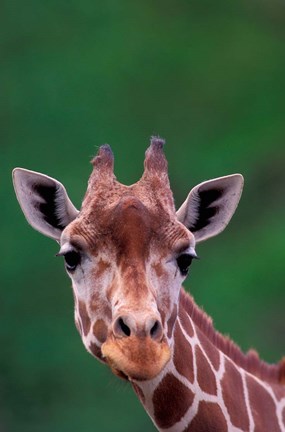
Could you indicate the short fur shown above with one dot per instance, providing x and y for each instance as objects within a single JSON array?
[{"x": 250, "y": 361}]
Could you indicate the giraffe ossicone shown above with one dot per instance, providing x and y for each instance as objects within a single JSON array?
[{"x": 127, "y": 252}]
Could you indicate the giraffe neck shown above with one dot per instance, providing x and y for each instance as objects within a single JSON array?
[{"x": 203, "y": 389}]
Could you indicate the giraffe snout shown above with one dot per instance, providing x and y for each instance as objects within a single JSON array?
[
  {"x": 126, "y": 325},
  {"x": 137, "y": 346}
]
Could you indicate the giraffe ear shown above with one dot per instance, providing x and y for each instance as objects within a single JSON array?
[
  {"x": 44, "y": 202},
  {"x": 210, "y": 206}
]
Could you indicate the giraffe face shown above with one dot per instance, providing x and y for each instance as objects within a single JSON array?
[
  {"x": 127, "y": 263},
  {"x": 127, "y": 252}
]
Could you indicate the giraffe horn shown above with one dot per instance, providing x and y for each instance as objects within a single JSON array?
[
  {"x": 103, "y": 162},
  {"x": 103, "y": 171},
  {"x": 155, "y": 162},
  {"x": 155, "y": 176}
]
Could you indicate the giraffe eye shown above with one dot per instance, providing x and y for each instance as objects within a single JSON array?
[
  {"x": 184, "y": 261},
  {"x": 72, "y": 259}
]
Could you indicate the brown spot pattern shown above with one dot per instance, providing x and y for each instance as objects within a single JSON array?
[
  {"x": 206, "y": 377},
  {"x": 282, "y": 371},
  {"x": 95, "y": 301},
  {"x": 96, "y": 351},
  {"x": 262, "y": 407},
  {"x": 100, "y": 330},
  {"x": 185, "y": 321},
  {"x": 208, "y": 419},
  {"x": 102, "y": 266},
  {"x": 279, "y": 391},
  {"x": 98, "y": 304},
  {"x": 107, "y": 312},
  {"x": 85, "y": 320},
  {"x": 250, "y": 361},
  {"x": 158, "y": 269},
  {"x": 171, "y": 321},
  {"x": 171, "y": 400},
  {"x": 183, "y": 355},
  {"x": 211, "y": 351},
  {"x": 233, "y": 395}
]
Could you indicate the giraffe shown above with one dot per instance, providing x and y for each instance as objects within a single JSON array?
[{"x": 127, "y": 252}]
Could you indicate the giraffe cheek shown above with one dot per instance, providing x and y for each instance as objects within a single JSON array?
[
  {"x": 82, "y": 319},
  {"x": 78, "y": 326},
  {"x": 171, "y": 322},
  {"x": 95, "y": 350},
  {"x": 100, "y": 330}
]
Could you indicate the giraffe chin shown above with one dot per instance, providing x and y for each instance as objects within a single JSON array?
[{"x": 136, "y": 359}]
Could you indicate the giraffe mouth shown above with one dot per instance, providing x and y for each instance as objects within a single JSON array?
[{"x": 134, "y": 358}]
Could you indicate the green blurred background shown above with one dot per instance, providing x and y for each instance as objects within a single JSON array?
[{"x": 207, "y": 76}]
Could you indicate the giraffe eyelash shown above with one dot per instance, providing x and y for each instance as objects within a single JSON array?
[
  {"x": 71, "y": 256},
  {"x": 184, "y": 260},
  {"x": 66, "y": 248}
]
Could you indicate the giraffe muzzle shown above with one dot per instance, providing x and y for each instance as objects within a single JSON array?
[
  {"x": 136, "y": 347},
  {"x": 136, "y": 358}
]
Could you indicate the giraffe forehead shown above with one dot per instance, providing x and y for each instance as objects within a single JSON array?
[
  {"x": 129, "y": 226},
  {"x": 132, "y": 226}
]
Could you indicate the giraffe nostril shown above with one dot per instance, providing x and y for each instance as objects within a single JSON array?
[
  {"x": 156, "y": 331},
  {"x": 127, "y": 325},
  {"x": 121, "y": 329},
  {"x": 126, "y": 330}
]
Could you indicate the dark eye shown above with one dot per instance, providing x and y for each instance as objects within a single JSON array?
[
  {"x": 184, "y": 261},
  {"x": 72, "y": 259}
]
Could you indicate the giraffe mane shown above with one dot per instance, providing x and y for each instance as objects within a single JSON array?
[{"x": 250, "y": 361}]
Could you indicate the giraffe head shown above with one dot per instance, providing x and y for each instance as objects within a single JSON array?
[{"x": 127, "y": 252}]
